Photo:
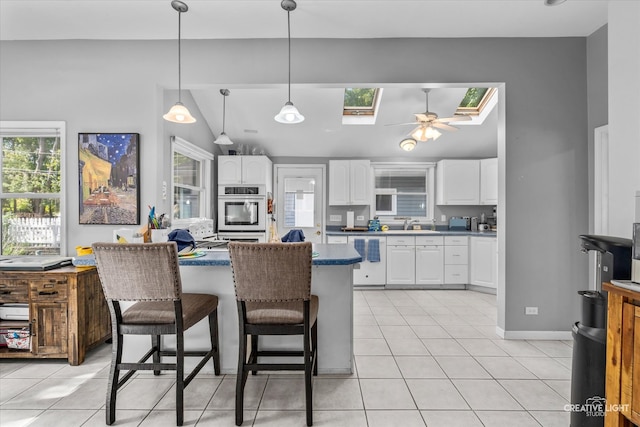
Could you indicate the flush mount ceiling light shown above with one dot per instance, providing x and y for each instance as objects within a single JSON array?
[
  {"x": 289, "y": 114},
  {"x": 553, "y": 2},
  {"x": 223, "y": 139},
  {"x": 408, "y": 144},
  {"x": 179, "y": 113}
]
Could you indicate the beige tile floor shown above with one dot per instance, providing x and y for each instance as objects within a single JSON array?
[{"x": 422, "y": 358}]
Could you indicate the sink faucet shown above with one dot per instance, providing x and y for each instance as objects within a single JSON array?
[{"x": 408, "y": 222}]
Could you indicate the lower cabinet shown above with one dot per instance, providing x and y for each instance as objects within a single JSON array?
[
  {"x": 483, "y": 262},
  {"x": 429, "y": 260},
  {"x": 456, "y": 260},
  {"x": 401, "y": 260}
]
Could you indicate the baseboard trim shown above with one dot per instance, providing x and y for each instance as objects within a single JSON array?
[{"x": 534, "y": 335}]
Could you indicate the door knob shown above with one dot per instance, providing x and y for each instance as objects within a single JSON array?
[{"x": 318, "y": 233}]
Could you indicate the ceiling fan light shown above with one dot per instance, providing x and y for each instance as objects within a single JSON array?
[
  {"x": 553, "y": 2},
  {"x": 179, "y": 114},
  {"x": 408, "y": 144},
  {"x": 223, "y": 139},
  {"x": 289, "y": 114}
]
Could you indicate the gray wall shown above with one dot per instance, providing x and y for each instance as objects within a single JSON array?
[{"x": 115, "y": 85}]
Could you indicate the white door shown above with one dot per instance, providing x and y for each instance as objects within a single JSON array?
[{"x": 300, "y": 199}]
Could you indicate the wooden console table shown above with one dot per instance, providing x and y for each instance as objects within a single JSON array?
[{"x": 68, "y": 313}]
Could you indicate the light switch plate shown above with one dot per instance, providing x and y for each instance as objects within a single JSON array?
[{"x": 335, "y": 217}]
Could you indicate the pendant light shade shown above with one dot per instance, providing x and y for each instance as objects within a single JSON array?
[
  {"x": 289, "y": 114},
  {"x": 179, "y": 113},
  {"x": 223, "y": 139},
  {"x": 408, "y": 144}
]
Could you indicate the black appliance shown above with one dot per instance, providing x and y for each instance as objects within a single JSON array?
[{"x": 613, "y": 259}]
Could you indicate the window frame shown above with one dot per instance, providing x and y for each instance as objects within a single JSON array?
[
  {"x": 429, "y": 169},
  {"x": 192, "y": 151},
  {"x": 476, "y": 111},
  {"x": 42, "y": 128},
  {"x": 348, "y": 110}
]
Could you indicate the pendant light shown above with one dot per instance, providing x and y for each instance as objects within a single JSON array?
[
  {"x": 223, "y": 139},
  {"x": 289, "y": 114},
  {"x": 179, "y": 113}
]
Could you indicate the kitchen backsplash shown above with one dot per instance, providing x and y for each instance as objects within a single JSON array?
[{"x": 363, "y": 211}]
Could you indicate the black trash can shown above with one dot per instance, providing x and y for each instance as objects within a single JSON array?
[{"x": 590, "y": 333}]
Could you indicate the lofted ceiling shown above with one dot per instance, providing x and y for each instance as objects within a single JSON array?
[{"x": 250, "y": 110}]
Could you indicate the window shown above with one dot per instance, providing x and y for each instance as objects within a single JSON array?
[
  {"x": 404, "y": 191},
  {"x": 475, "y": 100},
  {"x": 31, "y": 197},
  {"x": 191, "y": 167},
  {"x": 360, "y": 101},
  {"x": 299, "y": 202}
]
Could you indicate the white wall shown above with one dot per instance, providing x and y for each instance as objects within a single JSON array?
[{"x": 624, "y": 114}]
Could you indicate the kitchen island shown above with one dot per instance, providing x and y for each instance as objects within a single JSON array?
[{"x": 331, "y": 280}]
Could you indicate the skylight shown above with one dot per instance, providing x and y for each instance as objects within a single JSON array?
[
  {"x": 360, "y": 101},
  {"x": 475, "y": 100}
]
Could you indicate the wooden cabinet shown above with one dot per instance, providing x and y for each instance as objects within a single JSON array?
[
  {"x": 467, "y": 182},
  {"x": 483, "y": 261},
  {"x": 457, "y": 182},
  {"x": 401, "y": 260},
  {"x": 622, "y": 386},
  {"x": 349, "y": 182},
  {"x": 429, "y": 260},
  {"x": 489, "y": 181},
  {"x": 456, "y": 260},
  {"x": 67, "y": 310},
  {"x": 253, "y": 170}
]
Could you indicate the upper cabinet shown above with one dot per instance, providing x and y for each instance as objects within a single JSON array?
[
  {"x": 252, "y": 170},
  {"x": 457, "y": 182},
  {"x": 349, "y": 182},
  {"x": 489, "y": 181},
  {"x": 467, "y": 182}
]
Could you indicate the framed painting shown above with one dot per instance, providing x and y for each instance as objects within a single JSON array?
[{"x": 109, "y": 165}]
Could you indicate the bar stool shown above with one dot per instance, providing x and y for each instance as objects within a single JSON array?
[
  {"x": 273, "y": 293},
  {"x": 147, "y": 273}
]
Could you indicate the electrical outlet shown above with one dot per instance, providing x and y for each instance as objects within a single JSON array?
[
  {"x": 531, "y": 311},
  {"x": 360, "y": 218},
  {"x": 335, "y": 217}
]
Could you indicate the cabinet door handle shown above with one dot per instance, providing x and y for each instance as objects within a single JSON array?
[
  {"x": 47, "y": 293},
  {"x": 5, "y": 292}
]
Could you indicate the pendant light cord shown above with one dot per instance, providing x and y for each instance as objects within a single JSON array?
[
  {"x": 224, "y": 110},
  {"x": 289, "y": 38},
  {"x": 179, "y": 59}
]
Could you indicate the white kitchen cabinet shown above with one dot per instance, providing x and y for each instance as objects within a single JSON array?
[
  {"x": 429, "y": 260},
  {"x": 483, "y": 261},
  {"x": 401, "y": 260},
  {"x": 349, "y": 182},
  {"x": 457, "y": 182},
  {"x": 371, "y": 273},
  {"x": 253, "y": 170},
  {"x": 489, "y": 181},
  {"x": 456, "y": 260}
]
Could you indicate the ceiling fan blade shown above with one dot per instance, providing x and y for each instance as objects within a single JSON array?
[
  {"x": 443, "y": 126},
  {"x": 455, "y": 119},
  {"x": 402, "y": 124}
]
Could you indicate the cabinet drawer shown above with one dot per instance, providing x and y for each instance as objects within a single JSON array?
[
  {"x": 456, "y": 255},
  {"x": 337, "y": 239},
  {"x": 53, "y": 289},
  {"x": 13, "y": 289},
  {"x": 456, "y": 240},
  {"x": 429, "y": 240},
  {"x": 401, "y": 241},
  {"x": 456, "y": 274}
]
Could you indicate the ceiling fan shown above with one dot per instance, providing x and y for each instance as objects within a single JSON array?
[{"x": 428, "y": 121}]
